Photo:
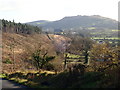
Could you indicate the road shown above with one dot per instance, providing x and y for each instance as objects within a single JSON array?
[{"x": 9, "y": 84}]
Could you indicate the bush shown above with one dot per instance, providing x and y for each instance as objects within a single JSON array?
[
  {"x": 77, "y": 69},
  {"x": 49, "y": 66},
  {"x": 7, "y": 61}
]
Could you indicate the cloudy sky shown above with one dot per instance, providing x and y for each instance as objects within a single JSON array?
[{"x": 32, "y": 10}]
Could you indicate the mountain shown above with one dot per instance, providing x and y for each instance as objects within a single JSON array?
[
  {"x": 40, "y": 23},
  {"x": 78, "y": 22}
]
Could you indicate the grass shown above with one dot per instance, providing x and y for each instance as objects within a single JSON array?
[
  {"x": 112, "y": 38},
  {"x": 19, "y": 80},
  {"x": 25, "y": 82},
  {"x": 63, "y": 80},
  {"x": 91, "y": 28},
  {"x": 90, "y": 79},
  {"x": 73, "y": 56},
  {"x": 2, "y": 76},
  {"x": 115, "y": 30},
  {"x": 27, "y": 79}
]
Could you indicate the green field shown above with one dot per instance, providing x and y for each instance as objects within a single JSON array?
[
  {"x": 115, "y": 30},
  {"x": 111, "y": 38},
  {"x": 74, "y": 56}
]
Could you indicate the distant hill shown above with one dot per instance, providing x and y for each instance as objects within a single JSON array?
[
  {"x": 78, "y": 22},
  {"x": 40, "y": 23}
]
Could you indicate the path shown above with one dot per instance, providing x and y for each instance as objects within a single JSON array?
[{"x": 10, "y": 84}]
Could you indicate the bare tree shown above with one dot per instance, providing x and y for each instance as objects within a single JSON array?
[{"x": 81, "y": 45}]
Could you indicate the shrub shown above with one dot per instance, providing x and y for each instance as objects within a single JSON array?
[
  {"x": 49, "y": 66},
  {"x": 7, "y": 61}
]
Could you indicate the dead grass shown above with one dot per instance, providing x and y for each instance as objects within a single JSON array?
[{"x": 19, "y": 48}]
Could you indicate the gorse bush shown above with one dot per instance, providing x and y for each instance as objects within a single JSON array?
[
  {"x": 41, "y": 59},
  {"x": 49, "y": 66},
  {"x": 7, "y": 61}
]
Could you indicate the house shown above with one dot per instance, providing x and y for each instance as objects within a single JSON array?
[
  {"x": 101, "y": 42},
  {"x": 58, "y": 31}
]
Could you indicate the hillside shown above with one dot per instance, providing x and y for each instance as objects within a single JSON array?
[
  {"x": 39, "y": 23},
  {"x": 78, "y": 22},
  {"x": 75, "y": 63},
  {"x": 18, "y": 48}
]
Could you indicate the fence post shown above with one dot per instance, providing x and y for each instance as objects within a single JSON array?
[{"x": 65, "y": 62}]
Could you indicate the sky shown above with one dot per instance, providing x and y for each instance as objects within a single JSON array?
[{"x": 32, "y": 10}]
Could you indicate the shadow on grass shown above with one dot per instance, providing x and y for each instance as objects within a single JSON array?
[{"x": 67, "y": 79}]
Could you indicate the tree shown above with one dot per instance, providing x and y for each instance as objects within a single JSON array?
[
  {"x": 81, "y": 45},
  {"x": 103, "y": 56},
  {"x": 8, "y": 26},
  {"x": 101, "y": 52},
  {"x": 41, "y": 60}
]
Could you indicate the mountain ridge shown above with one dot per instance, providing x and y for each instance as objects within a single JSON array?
[{"x": 77, "y": 22}]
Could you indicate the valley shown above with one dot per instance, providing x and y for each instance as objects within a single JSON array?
[{"x": 39, "y": 57}]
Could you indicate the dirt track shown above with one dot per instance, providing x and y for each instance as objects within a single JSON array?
[{"x": 9, "y": 84}]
